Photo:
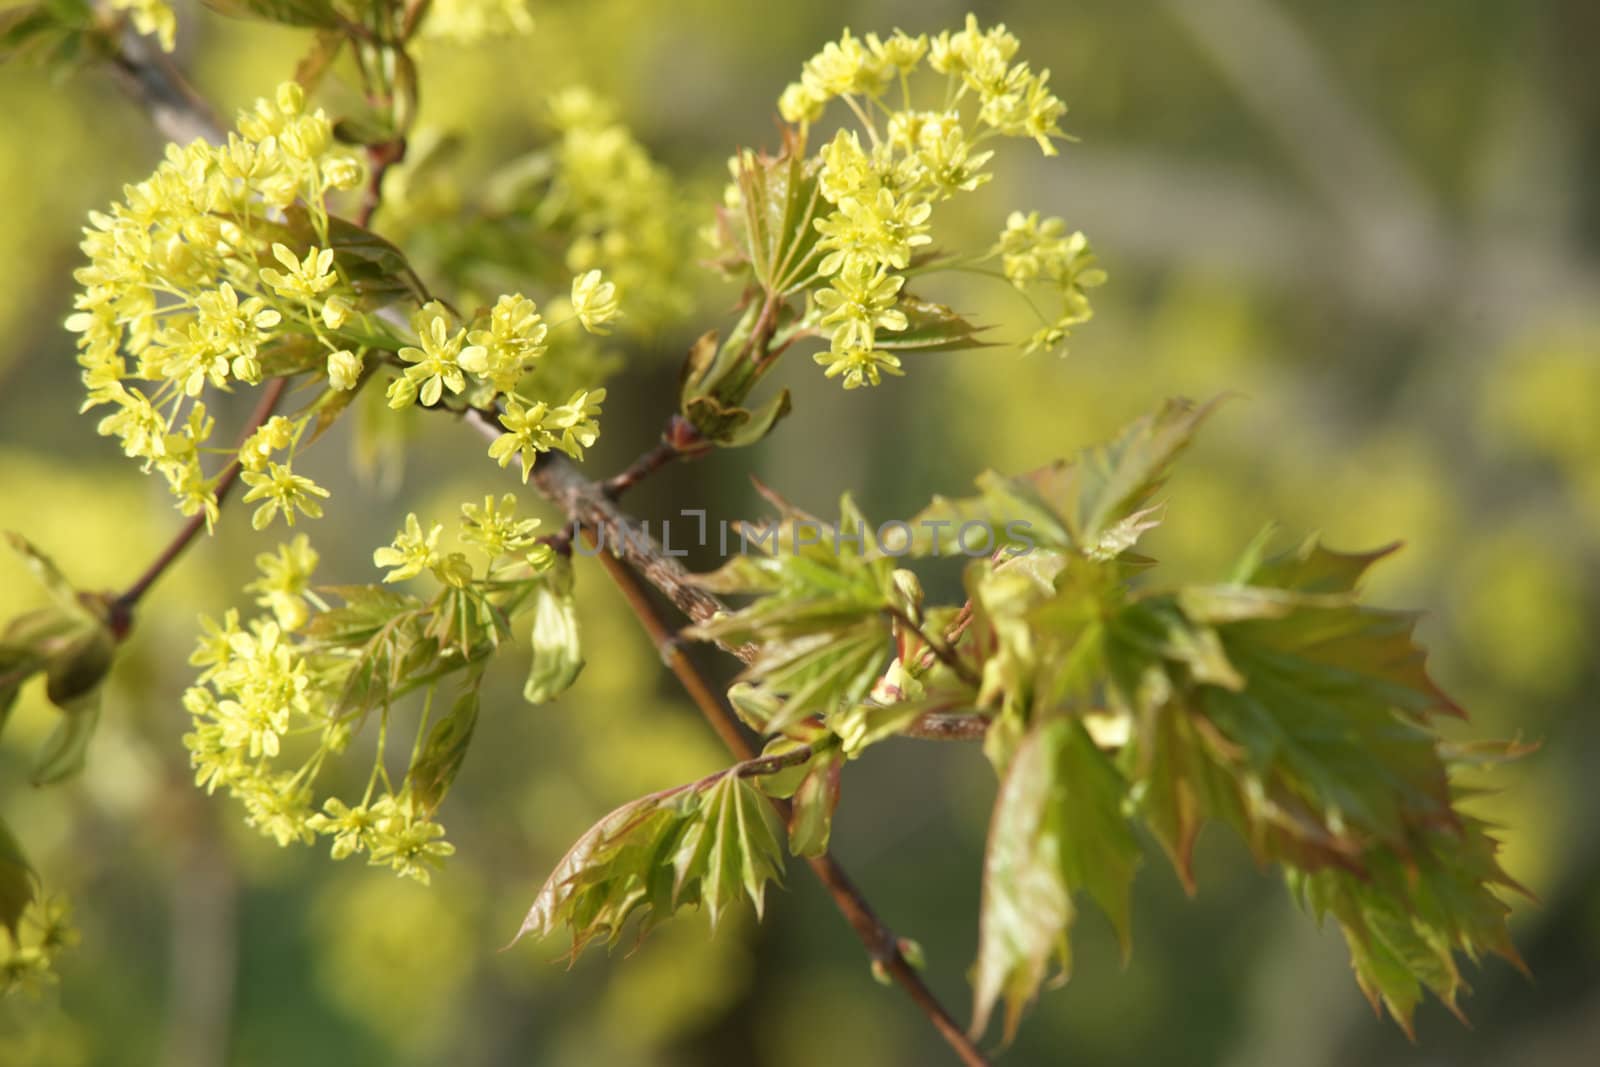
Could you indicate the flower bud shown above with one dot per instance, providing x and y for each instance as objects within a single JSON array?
[
  {"x": 344, "y": 370},
  {"x": 336, "y": 312},
  {"x": 342, "y": 172},
  {"x": 291, "y": 98}
]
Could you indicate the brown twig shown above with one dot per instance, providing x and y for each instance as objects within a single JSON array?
[
  {"x": 380, "y": 157},
  {"x": 585, "y": 502},
  {"x": 122, "y": 607},
  {"x": 647, "y": 464},
  {"x": 150, "y": 79},
  {"x": 671, "y": 651},
  {"x": 945, "y": 726}
]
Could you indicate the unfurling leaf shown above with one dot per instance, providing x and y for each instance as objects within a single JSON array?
[
  {"x": 708, "y": 843},
  {"x": 736, "y": 427},
  {"x": 440, "y": 759},
  {"x": 780, "y": 201},
  {"x": 819, "y": 621},
  {"x": 814, "y": 804},
  {"x": 931, "y": 327},
  {"x": 1026, "y": 906},
  {"x": 715, "y": 382},
  {"x": 1096, "y": 504},
  {"x": 1313, "y": 736},
  {"x": 1058, "y": 827},
  {"x": 67, "y": 747},
  {"x": 557, "y": 653},
  {"x": 730, "y": 848},
  {"x": 72, "y": 683},
  {"x": 50, "y": 578}
]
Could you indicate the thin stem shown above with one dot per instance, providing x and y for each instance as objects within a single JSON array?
[
  {"x": 766, "y": 323},
  {"x": 881, "y": 944},
  {"x": 662, "y": 454},
  {"x": 866, "y": 120},
  {"x": 671, "y": 651},
  {"x": 380, "y": 157},
  {"x": 124, "y": 604},
  {"x": 946, "y": 654},
  {"x": 945, "y": 726}
]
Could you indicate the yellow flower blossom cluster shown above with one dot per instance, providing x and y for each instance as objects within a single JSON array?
[
  {"x": 28, "y": 954},
  {"x": 192, "y": 283},
  {"x": 485, "y": 361},
  {"x": 493, "y": 529},
  {"x": 883, "y": 179},
  {"x": 284, "y": 587},
  {"x": 472, "y": 21},
  {"x": 1043, "y": 253},
  {"x": 222, "y": 269},
  {"x": 307, "y": 676},
  {"x": 620, "y": 208}
]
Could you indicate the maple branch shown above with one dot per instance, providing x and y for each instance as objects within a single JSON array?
[
  {"x": 593, "y": 509},
  {"x": 588, "y": 504},
  {"x": 180, "y": 114},
  {"x": 154, "y": 83}
]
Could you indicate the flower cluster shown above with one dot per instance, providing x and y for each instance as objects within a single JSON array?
[
  {"x": 216, "y": 271},
  {"x": 540, "y": 427},
  {"x": 493, "y": 529},
  {"x": 1034, "y": 252},
  {"x": 882, "y": 181},
  {"x": 284, "y": 587},
  {"x": 619, "y": 208},
  {"x": 281, "y": 695},
  {"x": 472, "y": 21},
  {"x": 487, "y": 361},
  {"x": 28, "y": 953}
]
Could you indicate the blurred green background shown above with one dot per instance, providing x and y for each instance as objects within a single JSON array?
[{"x": 1377, "y": 222}]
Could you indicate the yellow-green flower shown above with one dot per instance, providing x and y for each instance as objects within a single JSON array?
[
  {"x": 282, "y": 490},
  {"x": 285, "y": 581},
  {"x": 495, "y": 529},
  {"x": 873, "y": 229},
  {"x": 501, "y": 354},
  {"x": 846, "y": 67},
  {"x": 306, "y": 279},
  {"x": 353, "y": 829},
  {"x": 860, "y": 300},
  {"x": 594, "y": 301},
  {"x": 437, "y": 364},
  {"x": 859, "y": 366},
  {"x": 411, "y": 552}
]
